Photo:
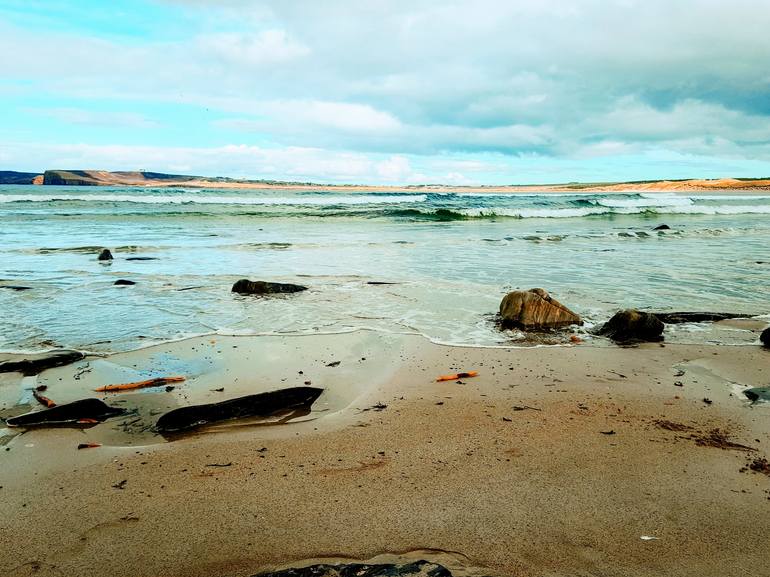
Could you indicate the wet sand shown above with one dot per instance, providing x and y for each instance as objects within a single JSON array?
[{"x": 451, "y": 472}]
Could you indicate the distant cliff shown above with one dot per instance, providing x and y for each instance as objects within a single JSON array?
[
  {"x": 105, "y": 178},
  {"x": 13, "y": 177}
]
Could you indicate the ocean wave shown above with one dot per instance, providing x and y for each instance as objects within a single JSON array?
[{"x": 230, "y": 200}]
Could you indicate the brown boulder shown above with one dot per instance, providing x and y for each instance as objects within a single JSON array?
[
  {"x": 535, "y": 309},
  {"x": 631, "y": 325}
]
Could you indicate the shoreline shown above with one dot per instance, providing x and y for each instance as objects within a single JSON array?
[{"x": 447, "y": 472}]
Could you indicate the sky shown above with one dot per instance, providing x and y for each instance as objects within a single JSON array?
[{"x": 389, "y": 91}]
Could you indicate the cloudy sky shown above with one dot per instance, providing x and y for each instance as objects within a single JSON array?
[{"x": 389, "y": 91}]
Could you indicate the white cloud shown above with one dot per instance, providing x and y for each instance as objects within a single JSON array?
[{"x": 265, "y": 48}]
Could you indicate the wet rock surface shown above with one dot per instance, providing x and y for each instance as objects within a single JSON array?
[
  {"x": 82, "y": 412},
  {"x": 631, "y": 326},
  {"x": 259, "y": 405},
  {"x": 39, "y": 363},
  {"x": 258, "y": 287},
  {"x": 535, "y": 309},
  {"x": 758, "y": 394},
  {"x": 764, "y": 338},
  {"x": 105, "y": 255},
  {"x": 417, "y": 568},
  {"x": 123, "y": 282},
  {"x": 696, "y": 317}
]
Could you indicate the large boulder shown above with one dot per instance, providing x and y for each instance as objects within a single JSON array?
[
  {"x": 632, "y": 325},
  {"x": 765, "y": 337},
  {"x": 535, "y": 309},
  {"x": 259, "y": 287},
  {"x": 34, "y": 364}
]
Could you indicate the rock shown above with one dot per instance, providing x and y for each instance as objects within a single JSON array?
[
  {"x": 662, "y": 227},
  {"x": 696, "y": 317},
  {"x": 68, "y": 414},
  {"x": 258, "y": 287},
  {"x": 758, "y": 394},
  {"x": 123, "y": 282},
  {"x": 416, "y": 569},
  {"x": 632, "y": 325},
  {"x": 535, "y": 309},
  {"x": 765, "y": 337},
  {"x": 105, "y": 255},
  {"x": 14, "y": 287},
  {"x": 38, "y": 363},
  {"x": 142, "y": 258},
  {"x": 259, "y": 405}
]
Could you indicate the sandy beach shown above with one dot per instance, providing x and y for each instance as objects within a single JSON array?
[{"x": 553, "y": 461}]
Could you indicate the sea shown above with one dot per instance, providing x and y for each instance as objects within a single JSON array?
[{"x": 447, "y": 259}]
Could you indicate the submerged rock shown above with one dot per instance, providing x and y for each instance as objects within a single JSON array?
[
  {"x": 142, "y": 258},
  {"x": 259, "y": 405},
  {"x": 15, "y": 287},
  {"x": 535, "y": 309},
  {"x": 662, "y": 227},
  {"x": 632, "y": 325},
  {"x": 105, "y": 255},
  {"x": 82, "y": 412},
  {"x": 39, "y": 363},
  {"x": 259, "y": 287},
  {"x": 416, "y": 568},
  {"x": 123, "y": 282},
  {"x": 765, "y": 337},
  {"x": 758, "y": 394},
  {"x": 696, "y": 317}
]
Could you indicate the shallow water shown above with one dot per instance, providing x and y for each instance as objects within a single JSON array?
[{"x": 452, "y": 256}]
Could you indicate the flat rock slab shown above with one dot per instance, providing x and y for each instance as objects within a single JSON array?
[
  {"x": 259, "y": 405},
  {"x": 696, "y": 317},
  {"x": 38, "y": 363},
  {"x": 68, "y": 414},
  {"x": 418, "y": 568},
  {"x": 259, "y": 287}
]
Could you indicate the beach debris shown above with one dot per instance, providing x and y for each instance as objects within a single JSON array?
[
  {"x": 758, "y": 394},
  {"x": 36, "y": 364},
  {"x": 334, "y": 364},
  {"x": 220, "y": 464},
  {"x": 258, "y": 287},
  {"x": 760, "y": 465},
  {"x": 610, "y": 432},
  {"x": 420, "y": 568},
  {"x": 123, "y": 282},
  {"x": 631, "y": 325},
  {"x": 671, "y": 425},
  {"x": 84, "y": 411},
  {"x": 457, "y": 376},
  {"x": 89, "y": 445},
  {"x": 120, "y": 484},
  {"x": 718, "y": 439},
  {"x": 219, "y": 390},
  {"x": 535, "y": 309},
  {"x": 575, "y": 339},
  {"x": 707, "y": 400},
  {"x": 45, "y": 401},
  {"x": 678, "y": 384},
  {"x": 157, "y": 382},
  {"x": 259, "y": 405},
  {"x": 525, "y": 408},
  {"x": 104, "y": 255},
  {"x": 507, "y": 420},
  {"x": 649, "y": 538},
  {"x": 377, "y": 407},
  {"x": 696, "y": 317},
  {"x": 764, "y": 338}
]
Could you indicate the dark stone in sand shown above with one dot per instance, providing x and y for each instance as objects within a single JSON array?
[
  {"x": 259, "y": 405},
  {"x": 39, "y": 363},
  {"x": 258, "y": 287},
  {"x": 696, "y": 317},
  {"x": 758, "y": 394},
  {"x": 124, "y": 282},
  {"x": 662, "y": 227},
  {"x": 632, "y": 325},
  {"x": 142, "y": 258},
  {"x": 765, "y": 337},
  {"x": 416, "y": 568},
  {"x": 68, "y": 414},
  {"x": 14, "y": 287},
  {"x": 105, "y": 255}
]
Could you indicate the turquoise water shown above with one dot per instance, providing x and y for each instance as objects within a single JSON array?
[{"x": 453, "y": 256}]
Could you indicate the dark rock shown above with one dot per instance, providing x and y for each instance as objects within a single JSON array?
[
  {"x": 142, "y": 258},
  {"x": 67, "y": 414},
  {"x": 105, "y": 255},
  {"x": 764, "y": 338},
  {"x": 380, "y": 282},
  {"x": 758, "y": 394},
  {"x": 535, "y": 309},
  {"x": 38, "y": 363},
  {"x": 123, "y": 282},
  {"x": 417, "y": 569},
  {"x": 258, "y": 287},
  {"x": 632, "y": 325},
  {"x": 662, "y": 227},
  {"x": 15, "y": 287},
  {"x": 259, "y": 405},
  {"x": 696, "y": 317}
]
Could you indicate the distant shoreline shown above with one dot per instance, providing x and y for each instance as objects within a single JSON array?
[{"x": 161, "y": 180}]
